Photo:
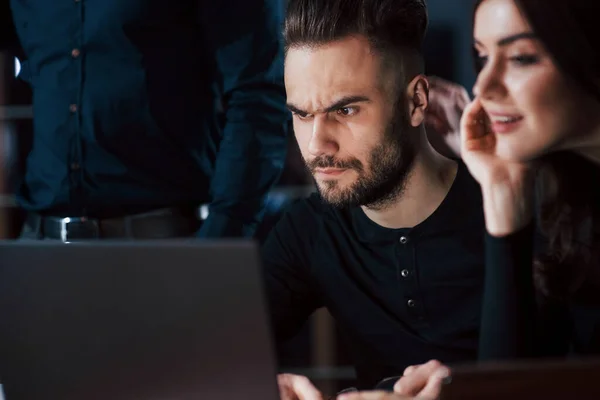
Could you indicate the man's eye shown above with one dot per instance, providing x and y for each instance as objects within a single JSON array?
[
  {"x": 347, "y": 111},
  {"x": 301, "y": 116}
]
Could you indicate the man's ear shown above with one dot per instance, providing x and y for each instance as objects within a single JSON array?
[{"x": 418, "y": 99}]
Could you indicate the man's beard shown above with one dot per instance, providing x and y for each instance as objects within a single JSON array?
[{"x": 390, "y": 165}]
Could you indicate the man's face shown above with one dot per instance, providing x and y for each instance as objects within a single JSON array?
[{"x": 352, "y": 131}]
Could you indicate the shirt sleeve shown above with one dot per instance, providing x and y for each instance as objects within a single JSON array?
[
  {"x": 509, "y": 312},
  {"x": 291, "y": 290},
  {"x": 248, "y": 51}
]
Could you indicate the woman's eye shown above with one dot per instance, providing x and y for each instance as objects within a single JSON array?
[
  {"x": 525, "y": 59},
  {"x": 480, "y": 62}
]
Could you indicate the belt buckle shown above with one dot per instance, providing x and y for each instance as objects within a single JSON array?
[{"x": 83, "y": 223}]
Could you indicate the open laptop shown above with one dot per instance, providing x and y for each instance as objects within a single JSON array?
[
  {"x": 525, "y": 380},
  {"x": 132, "y": 320}
]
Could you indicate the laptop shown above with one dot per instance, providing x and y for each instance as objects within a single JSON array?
[
  {"x": 132, "y": 320},
  {"x": 525, "y": 380}
]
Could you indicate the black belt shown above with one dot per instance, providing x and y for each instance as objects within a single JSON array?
[{"x": 158, "y": 224}]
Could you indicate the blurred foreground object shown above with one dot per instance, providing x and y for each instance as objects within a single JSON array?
[{"x": 447, "y": 101}]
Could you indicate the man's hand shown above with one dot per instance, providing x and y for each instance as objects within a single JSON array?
[
  {"x": 378, "y": 395},
  {"x": 447, "y": 101},
  {"x": 422, "y": 381},
  {"x": 419, "y": 382},
  {"x": 296, "y": 387}
]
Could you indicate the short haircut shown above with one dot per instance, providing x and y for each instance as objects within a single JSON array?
[{"x": 394, "y": 28}]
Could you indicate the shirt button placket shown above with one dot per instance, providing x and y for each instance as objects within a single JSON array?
[
  {"x": 405, "y": 272},
  {"x": 411, "y": 302},
  {"x": 74, "y": 108}
]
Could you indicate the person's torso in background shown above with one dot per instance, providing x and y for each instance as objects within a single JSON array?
[{"x": 124, "y": 103}]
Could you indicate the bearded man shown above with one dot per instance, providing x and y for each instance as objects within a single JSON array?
[{"x": 392, "y": 243}]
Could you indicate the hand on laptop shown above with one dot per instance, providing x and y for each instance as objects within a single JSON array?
[
  {"x": 423, "y": 381},
  {"x": 419, "y": 382},
  {"x": 375, "y": 395},
  {"x": 296, "y": 387},
  {"x": 447, "y": 101}
]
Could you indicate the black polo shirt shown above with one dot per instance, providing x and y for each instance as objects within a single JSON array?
[{"x": 402, "y": 296}]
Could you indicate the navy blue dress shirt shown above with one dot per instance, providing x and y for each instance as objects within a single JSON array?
[{"x": 126, "y": 97}]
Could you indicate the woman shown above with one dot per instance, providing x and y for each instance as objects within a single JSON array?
[
  {"x": 531, "y": 138},
  {"x": 539, "y": 92}
]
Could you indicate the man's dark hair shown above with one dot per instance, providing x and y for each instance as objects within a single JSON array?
[{"x": 394, "y": 28}]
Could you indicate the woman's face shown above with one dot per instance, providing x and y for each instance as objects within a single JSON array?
[{"x": 533, "y": 109}]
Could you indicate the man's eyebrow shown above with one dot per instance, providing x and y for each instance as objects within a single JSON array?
[
  {"x": 295, "y": 109},
  {"x": 341, "y": 103},
  {"x": 344, "y": 101},
  {"x": 513, "y": 38}
]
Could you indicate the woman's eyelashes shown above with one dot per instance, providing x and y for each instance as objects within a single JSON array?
[
  {"x": 525, "y": 59},
  {"x": 521, "y": 60}
]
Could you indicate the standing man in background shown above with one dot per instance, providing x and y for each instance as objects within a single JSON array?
[{"x": 127, "y": 136}]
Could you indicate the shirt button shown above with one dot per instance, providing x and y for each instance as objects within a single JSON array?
[
  {"x": 404, "y": 273},
  {"x": 74, "y": 166},
  {"x": 75, "y": 53},
  {"x": 73, "y": 108},
  {"x": 403, "y": 240},
  {"x": 411, "y": 303}
]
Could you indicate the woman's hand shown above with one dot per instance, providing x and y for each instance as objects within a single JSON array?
[{"x": 507, "y": 186}]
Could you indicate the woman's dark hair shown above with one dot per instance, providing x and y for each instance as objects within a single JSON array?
[{"x": 569, "y": 30}]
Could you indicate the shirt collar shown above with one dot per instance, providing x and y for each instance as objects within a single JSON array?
[{"x": 464, "y": 192}]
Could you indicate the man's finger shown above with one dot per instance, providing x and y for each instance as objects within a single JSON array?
[
  {"x": 412, "y": 384},
  {"x": 409, "y": 370},
  {"x": 372, "y": 396},
  {"x": 296, "y": 387},
  {"x": 285, "y": 387},
  {"x": 416, "y": 381},
  {"x": 433, "y": 388},
  {"x": 305, "y": 390}
]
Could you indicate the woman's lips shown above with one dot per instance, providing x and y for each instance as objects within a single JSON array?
[{"x": 504, "y": 122}]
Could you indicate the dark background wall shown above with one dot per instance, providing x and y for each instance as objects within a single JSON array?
[{"x": 448, "y": 44}]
